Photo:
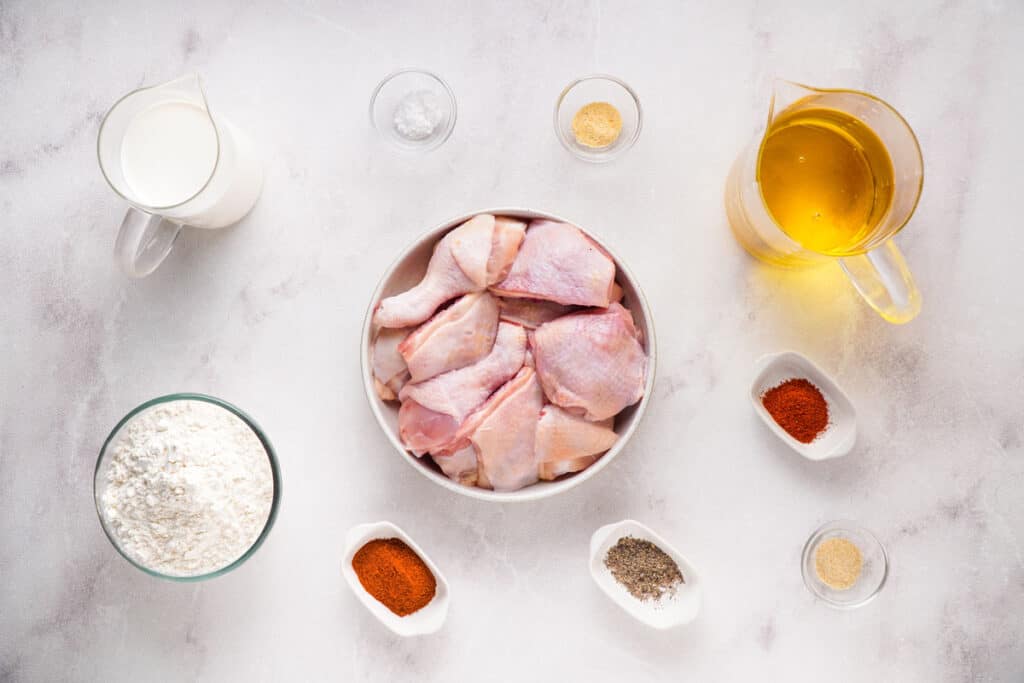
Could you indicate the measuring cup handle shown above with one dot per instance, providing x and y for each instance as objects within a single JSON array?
[
  {"x": 884, "y": 280},
  {"x": 144, "y": 242}
]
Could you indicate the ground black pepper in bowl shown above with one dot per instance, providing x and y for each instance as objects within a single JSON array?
[{"x": 646, "y": 571}]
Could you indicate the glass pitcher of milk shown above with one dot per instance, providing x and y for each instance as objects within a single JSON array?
[{"x": 162, "y": 150}]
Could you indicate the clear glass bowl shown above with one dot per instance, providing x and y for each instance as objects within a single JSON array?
[
  {"x": 874, "y": 570},
  {"x": 598, "y": 88},
  {"x": 389, "y": 93},
  {"x": 267, "y": 448}
]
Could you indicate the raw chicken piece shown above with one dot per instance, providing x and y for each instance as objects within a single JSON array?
[
  {"x": 503, "y": 431},
  {"x": 508, "y": 235},
  {"x": 423, "y": 430},
  {"x": 472, "y": 243},
  {"x": 557, "y": 262},
  {"x": 568, "y": 443},
  {"x": 458, "y": 336},
  {"x": 460, "y": 466},
  {"x": 433, "y": 410},
  {"x": 531, "y": 313},
  {"x": 549, "y": 471},
  {"x": 468, "y": 259},
  {"x": 616, "y": 292},
  {"x": 389, "y": 370},
  {"x": 590, "y": 363}
]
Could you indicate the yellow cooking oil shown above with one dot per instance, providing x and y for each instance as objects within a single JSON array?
[{"x": 825, "y": 177}]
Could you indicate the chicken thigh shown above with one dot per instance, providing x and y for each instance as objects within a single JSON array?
[
  {"x": 458, "y": 336},
  {"x": 590, "y": 363},
  {"x": 432, "y": 411},
  {"x": 568, "y": 443},
  {"x": 460, "y": 466},
  {"x": 503, "y": 432},
  {"x": 557, "y": 262}
]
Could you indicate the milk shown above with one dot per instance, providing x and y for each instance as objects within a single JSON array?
[
  {"x": 173, "y": 154},
  {"x": 168, "y": 153}
]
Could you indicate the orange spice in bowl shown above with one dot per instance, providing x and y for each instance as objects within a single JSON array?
[
  {"x": 395, "y": 575},
  {"x": 798, "y": 407}
]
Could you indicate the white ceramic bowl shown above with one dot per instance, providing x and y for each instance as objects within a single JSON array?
[
  {"x": 408, "y": 269},
  {"x": 428, "y": 619},
  {"x": 841, "y": 434},
  {"x": 675, "y": 610}
]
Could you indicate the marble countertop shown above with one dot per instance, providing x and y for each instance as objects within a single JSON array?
[{"x": 267, "y": 315}]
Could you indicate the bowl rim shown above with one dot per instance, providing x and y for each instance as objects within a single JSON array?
[
  {"x": 541, "y": 489},
  {"x": 275, "y": 472}
]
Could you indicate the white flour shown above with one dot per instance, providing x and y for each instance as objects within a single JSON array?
[{"x": 188, "y": 488}]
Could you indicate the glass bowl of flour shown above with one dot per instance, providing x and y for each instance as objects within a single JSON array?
[{"x": 187, "y": 487}]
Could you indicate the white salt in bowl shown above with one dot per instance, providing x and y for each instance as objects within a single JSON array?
[
  {"x": 408, "y": 270},
  {"x": 838, "y": 438},
  {"x": 673, "y": 610},
  {"x": 388, "y": 95},
  {"x": 428, "y": 619}
]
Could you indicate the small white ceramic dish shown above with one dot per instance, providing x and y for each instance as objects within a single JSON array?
[
  {"x": 408, "y": 270},
  {"x": 838, "y": 439},
  {"x": 675, "y": 610},
  {"x": 427, "y": 620}
]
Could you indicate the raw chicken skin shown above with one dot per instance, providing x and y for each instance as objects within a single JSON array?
[
  {"x": 458, "y": 336},
  {"x": 460, "y": 466},
  {"x": 504, "y": 431},
  {"x": 462, "y": 262},
  {"x": 557, "y": 262},
  {"x": 423, "y": 430},
  {"x": 433, "y": 410},
  {"x": 531, "y": 313},
  {"x": 389, "y": 369},
  {"x": 508, "y": 236},
  {"x": 549, "y": 471},
  {"x": 472, "y": 243},
  {"x": 568, "y": 443},
  {"x": 590, "y": 363}
]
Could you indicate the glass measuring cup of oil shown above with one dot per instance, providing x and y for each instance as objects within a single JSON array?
[{"x": 833, "y": 177}]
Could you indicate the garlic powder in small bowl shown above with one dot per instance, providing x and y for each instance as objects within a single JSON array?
[
  {"x": 844, "y": 564},
  {"x": 598, "y": 118}
]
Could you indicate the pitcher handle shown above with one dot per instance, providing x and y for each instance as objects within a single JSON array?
[
  {"x": 144, "y": 242},
  {"x": 884, "y": 280}
]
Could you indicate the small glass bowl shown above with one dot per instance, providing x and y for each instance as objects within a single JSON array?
[
  {"x": 874, "y": 570},
  {"x": 389, "y": 93},
  {"x": 267, "y": 448},
  {"x": 598, "y": 88}
]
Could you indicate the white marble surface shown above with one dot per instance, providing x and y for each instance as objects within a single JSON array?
[{"x": 267, "y": 315}]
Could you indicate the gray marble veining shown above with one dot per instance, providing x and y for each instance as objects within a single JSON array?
[{"x": 267, "y": 314}]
